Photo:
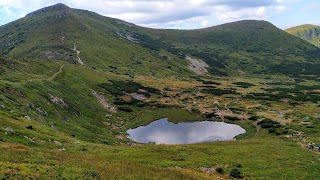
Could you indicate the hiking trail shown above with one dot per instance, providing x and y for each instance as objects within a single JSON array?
[
  {"x": 78, "y": 52},
  {"x": 56, "y": 74}
]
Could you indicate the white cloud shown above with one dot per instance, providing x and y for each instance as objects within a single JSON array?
[
  {"x": 288, "y": 1},
  {"x": 279, "y": 9},
  {"x": 162, "y": 13},
  {"x": 227, "y": 15},
  {"x": 9, "y": 14},
  {"x": 205, "y": 23}
]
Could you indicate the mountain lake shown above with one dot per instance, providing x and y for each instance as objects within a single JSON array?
[{"x": 164, "y": 132}]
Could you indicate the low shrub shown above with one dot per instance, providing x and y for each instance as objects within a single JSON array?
[
  {"x": 272, "y": 130},
  {"x": 125, "y": 109},
  {"x": 232, "y": 118},
  {"x": 235, "y": 173},
  {"x": 253, "y": 118},
  {"x": 267, "y": 125},
  {"x": 210, "y": 115},
  {"x": 220, "y": 170}
]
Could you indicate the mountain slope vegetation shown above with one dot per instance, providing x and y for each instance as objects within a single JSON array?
[
  {"x": 308, "y": 32},
  {"x": 72, "y": 83},
  {"x": 250, "y": 46}
]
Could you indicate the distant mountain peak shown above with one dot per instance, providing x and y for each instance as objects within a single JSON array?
[
  {"x": 308, "y": 32},
  {"x": 58, "y": 6}
]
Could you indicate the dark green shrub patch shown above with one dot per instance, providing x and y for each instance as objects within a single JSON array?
[
  {"x": 210, "y": 82},
  {"x": 243, "y": 84},
  {"x": 268, "y": 123},
  {"x": 211, "y": 115},
  {"x": 220, "y": 170},
  {"x": 218, "y": 92},
  {"x": 253, "y": 118},
  {"x": 118, "y": 88},
  {"x": 235, "y": 173},
  {"x": 125, "y": 109},
  {"x": 232, "y": 118}
]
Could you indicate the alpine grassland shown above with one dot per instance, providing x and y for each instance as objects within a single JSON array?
[{"x": 72, "y": 83}]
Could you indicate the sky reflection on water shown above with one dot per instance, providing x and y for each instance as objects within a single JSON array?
[{"x": 164, "y": 132}]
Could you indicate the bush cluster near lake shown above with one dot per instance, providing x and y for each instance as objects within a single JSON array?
[{"x": 118, "y": 88}]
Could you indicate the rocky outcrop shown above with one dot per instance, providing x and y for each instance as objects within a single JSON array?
[
  {"x": 128, "y": 37},
  {"x": 62, "y": 15},
  {"x": 104, "y": 102},
  {"x": 197, "y": 65},
  {"x": 57, "y": 100},
  {"x": 309, "y": 34},
  {"x": 9, "y": 129}
]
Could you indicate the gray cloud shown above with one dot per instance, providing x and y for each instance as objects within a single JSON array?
[
  {"x": 176, "y": 16},
  {"x": 241, "y": 3},
  {"x": 164, "y": 13}
]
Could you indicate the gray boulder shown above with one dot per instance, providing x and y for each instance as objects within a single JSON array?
[{"x": 9, "y": 129}]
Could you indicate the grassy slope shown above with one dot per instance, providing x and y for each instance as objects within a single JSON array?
[
  {"x": 260, "y": 156},
  {"x": 248, "y": 46},
  {"x": 94, "y": 35},
  {"x": 308, "y": 32},
  {"x": 296, "y": 29}
]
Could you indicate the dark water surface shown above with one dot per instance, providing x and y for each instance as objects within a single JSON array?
[{"x": 164, "y": 132}]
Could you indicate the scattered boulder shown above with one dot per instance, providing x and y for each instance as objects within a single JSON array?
[
  {"x": 137, "y": 96},
  {"x": 62, "y": 15},
  {"x": 121, "y": 137},
  {"x": 128, "y": 37},
  {"x": 57, "y": 142},
  {"x": 62, "y": 149},
  {"x": 52, "y": 126},
  {"x": 27, "y": 118},
  {"x": 30, "y": 139},
  {"x": 9, "y": 129},
  {"x": 57, "y": 100},
  {"x": 207, "y": 170},
  {"x": 104, "y": 102},
  {"x": 2, "y": 106}
]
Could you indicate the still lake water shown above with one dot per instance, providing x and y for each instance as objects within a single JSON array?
[{"x": 164, "y": 132}]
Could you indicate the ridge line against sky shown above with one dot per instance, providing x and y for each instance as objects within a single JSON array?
[{"x": 181, "y": 14}]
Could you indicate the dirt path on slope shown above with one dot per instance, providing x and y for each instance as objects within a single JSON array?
[
  {"x": 56, "y": 74},
  {"x": 78, "y": 52}
]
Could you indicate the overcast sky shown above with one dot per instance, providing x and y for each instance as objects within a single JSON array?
[{"x": 181, "y": 14}]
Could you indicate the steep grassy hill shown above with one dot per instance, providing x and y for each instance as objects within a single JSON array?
[
  {"x": 72, "y": 82},
  {"x": 247, "y": 46},
  {"x": 308, "y": 32}
]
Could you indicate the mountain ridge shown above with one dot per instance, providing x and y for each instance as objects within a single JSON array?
[
  {"x": 307, "y": 32},
  {"x": 51, "y": 33}
]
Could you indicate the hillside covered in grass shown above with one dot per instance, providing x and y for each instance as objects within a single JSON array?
[
  {"x": 308, "y": 32},
  {"x": 72, "y": 83},
  {"x": 59, "y": 32}
]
